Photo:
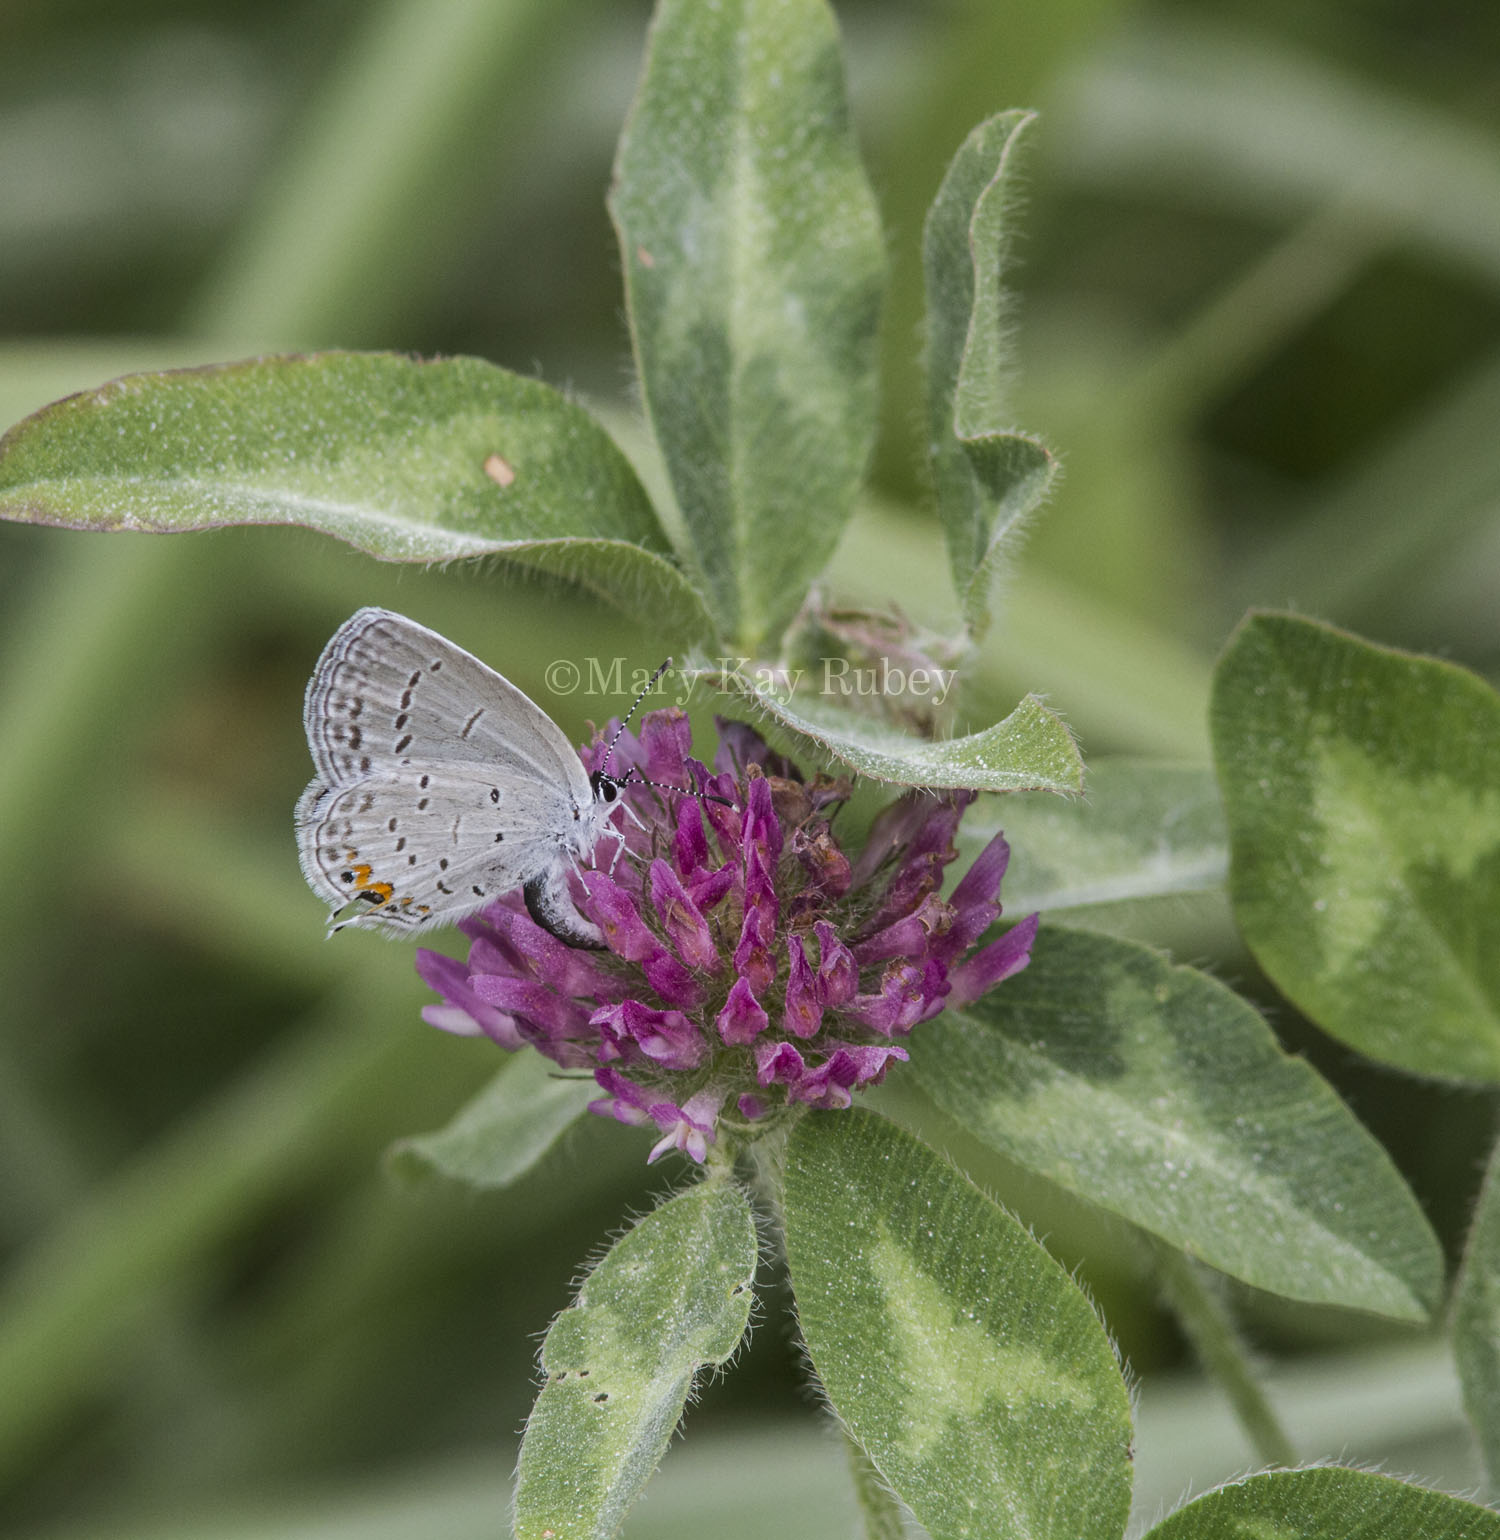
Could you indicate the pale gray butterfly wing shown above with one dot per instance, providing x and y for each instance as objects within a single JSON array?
[
  {"x": 388, "y": 693},
  {"x": 440, "y": 785}
]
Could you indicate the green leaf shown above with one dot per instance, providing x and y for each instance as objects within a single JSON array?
[
  {"x": 672, "y": 1295},
  {"x": 1031, "y": 750},
  {"x": 1362, "y": 788},
  {"x": 1160, "y": 1095},
  {"x": 958, "y": 1353},
  {"x": 386, "y": 452},
  {"x": 504, "y": 1131},
  {"x": 753, "y": 272},
  {"x": 1142, "y": 830},
  {"x": 1476, "y": 1321},
  {"x": 1330, "y": 1501},
  {"x": 988, "y": 476}
]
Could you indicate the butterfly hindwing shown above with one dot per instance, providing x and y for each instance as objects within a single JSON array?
[{"x": 417, "y": 855}]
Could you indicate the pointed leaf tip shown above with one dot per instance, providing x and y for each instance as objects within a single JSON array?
[
  {"x": 1159, "y": 1094},
  {"x": 989, "y": 477}
]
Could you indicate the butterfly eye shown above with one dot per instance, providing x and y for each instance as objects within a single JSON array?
[{"x": 609, "y": 791}]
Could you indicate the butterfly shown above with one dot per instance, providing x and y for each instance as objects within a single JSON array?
[{"x": 440, "y": 786}]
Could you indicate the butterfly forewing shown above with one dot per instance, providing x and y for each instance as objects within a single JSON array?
[{"x": 388, "y": 694}]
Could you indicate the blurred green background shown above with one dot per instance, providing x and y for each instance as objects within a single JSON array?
[{"x": 1260, "y": 319}]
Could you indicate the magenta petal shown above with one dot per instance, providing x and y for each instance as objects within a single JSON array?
[
  {"x": 833, "y": 1081},
  {"x": 760, "y": 891},
  {"x": 612, "y": 1107},
  {"x": 913, "y": 882},
  {"x": 443, "y": 975},
  {"x": 871, "y": 1060},
  {"x": 489, "y": 930},
  {"x": 667, "y": 1037},
  {"x": 450, "y": 978},
  {"x": 920, "y": 871},
  {"x": 935, "y": 987},
  {"x": 622, "y": 1087},
  {"x": 760, "y": 877},
  {"x": 538, "y": 1006},
  {"x": 894, "y": 829},
  {"x": 762, "y": 851},
  {"x": 754, "y": 961},
  {"x": 967, "y": 927},
  {"x": 778, "y": 1064},
  {"x": 973, "y": 901},
  {"x": 666, "y": 737},
  {"x": 703, "y": 1108},
  {"x": 569, "y": 970},
  {"x": 492, "y": 953},
  {"x": 628, "y": 935},
  {"x": 899, "y": 1005},
  {"x": 689, "y": 843},
  {"x": 721, "y": 806},
  {"x": 682, "y": 920},
  {"x": 613, "y": 910},
  {"x": 762, "y": 827},
  {"x": 676, "y": 984},
  {"x": 742, "y": 1019},
  {"x": 803, "y": 1013},
  {"x": 628, "y": 1096},
  {"x": 828, "y": 1085},
  {"x": 740, "y": 746},
  {"x": 707, "y": 889},
  {"x": 981, "y": 882},
  {"x": 988, "y": 966},
  {"x": 906, "y": 938},
  {"x": 454, "y": 1020},
  {"x": 838, "y": 973},
  {"x": 691, "y": 1130}
]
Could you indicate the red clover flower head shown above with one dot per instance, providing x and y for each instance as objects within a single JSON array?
[{"x": 749, "y": 965}]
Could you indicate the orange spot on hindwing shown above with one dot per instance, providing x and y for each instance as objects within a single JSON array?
[{"x": 362, "y": 880}]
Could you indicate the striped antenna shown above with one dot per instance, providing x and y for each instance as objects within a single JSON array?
[
  {"x": 630, "y": 778},
  {"x": 650, "y": 685}
]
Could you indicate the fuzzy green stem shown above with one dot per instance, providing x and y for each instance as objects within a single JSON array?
[
  {"x": 719, "y": 1163},
  {"x": 1206, "y": 1320},
  {"x": 879, "y": 1512}
]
